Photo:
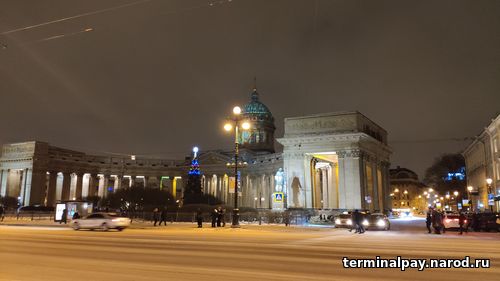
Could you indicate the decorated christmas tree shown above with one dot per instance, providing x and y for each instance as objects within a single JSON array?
[
  {"x": 193, "y": 185},
  {"x": 193, "y": 193}
]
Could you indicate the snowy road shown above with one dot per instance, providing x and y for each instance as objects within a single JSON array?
[{"x": 182, "y": 252}]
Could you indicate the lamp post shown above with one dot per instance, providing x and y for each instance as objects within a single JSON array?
[
  {"x": 489, "y": 181},
  {"x": 235, "y": 121},
  {"x": 469, "y": 189}
]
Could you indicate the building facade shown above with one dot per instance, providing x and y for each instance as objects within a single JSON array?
[
  {"x": 329, "y": 161},
  {"x": 482, "y": 162},
  {"x": 407, "y": 191}
]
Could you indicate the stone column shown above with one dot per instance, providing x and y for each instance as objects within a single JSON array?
[
  {"x": 307, "y": 187},
  {"x": 93, "y": 184},
  {"x": 51, "y": 192},
  {"x": 25, "y": 193},
  {"x": 326, "y": 188},
  {"x": 118, "y": 182},
  {"x": 66, "y": 186},
  {"x": 350, "y": 179},
  {"x": 332, "y": 187},
  {"x": 132, "y": 180},
  {"x": 375, "y": 199},
  {"x": 79, "y": 186},
  {"x": 36, "y": 185},
  {"x": 3, "y": 182},
  {"x": 105, "y": 184}
]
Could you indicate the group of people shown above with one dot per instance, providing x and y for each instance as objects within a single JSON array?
[
  {"x": 357, "y": 222},
  {"x": 160, "y": 216},
  {"x": 435, "y": 218},
  {"x": 217, "y": 215}
]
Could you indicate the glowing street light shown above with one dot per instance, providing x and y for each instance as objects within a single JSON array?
[
  {"x": 455, "y": 193},
  {"x": 236, "y": 122},
  {"x": 237, "y": 110},
  {"x": 489, "y": 181}
]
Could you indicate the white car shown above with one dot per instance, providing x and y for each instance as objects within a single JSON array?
[
  {"x": 451, "y": 220},
  {"x": 103, "y": 221}
]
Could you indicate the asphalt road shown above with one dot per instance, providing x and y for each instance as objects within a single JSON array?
[{"x": 183, "y": 252}]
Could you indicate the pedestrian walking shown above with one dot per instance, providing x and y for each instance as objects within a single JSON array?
[
  {"x": 64, "y": 217},
  {"x": 219, "y": 216},
  {"x": 428, "y": 220},
  {"x": 286, "y": 218},
  {"x": 443, "y": 217},
  {"x": 353, "y": 222},
  {"x": 163, "y": 216},
  {"x": 436, "y": 221},
  {"x": 2, "y": 211},
  {"x": 156, "y": 216},
  {"x": 359, "y": 222},
  {"x": 76, "y": 215},
  {"x": 214, "y": 217},
  {"x": 223, "y": 217},
  {"x": 199, "y": 218},
  {"x": 462, "y": 219}
]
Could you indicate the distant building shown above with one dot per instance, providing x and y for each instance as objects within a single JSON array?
[
  {"x": 406, "y": 190},
  {"x": 482, "y": 162},
  {"x": 329, "y": 161}
]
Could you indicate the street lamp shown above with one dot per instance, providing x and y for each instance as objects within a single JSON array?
[
  {"x": 469, "y": 190},
  {"x": 236, "y": 121},
  {"x": 489, "y": 181}
]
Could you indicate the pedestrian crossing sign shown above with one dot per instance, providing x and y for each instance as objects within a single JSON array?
[{"x": 278, "y": 197}]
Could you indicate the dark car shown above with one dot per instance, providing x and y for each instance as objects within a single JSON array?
[
  {"x": 488, "y": 221},
  {"x": 376, "y": 221}
]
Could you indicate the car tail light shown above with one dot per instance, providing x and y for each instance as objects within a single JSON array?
[
  {"x": 465, "y": 220},
  {"x": 455, "y": 219},
  {"x": 447, "y": 220}
]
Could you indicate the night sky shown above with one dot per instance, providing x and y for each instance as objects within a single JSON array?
[{"x": 157, "y": 77}]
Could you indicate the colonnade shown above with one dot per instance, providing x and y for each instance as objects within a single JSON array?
[
  {"x": 56, "y": 185},
  {"x": 256, "y": 189}
]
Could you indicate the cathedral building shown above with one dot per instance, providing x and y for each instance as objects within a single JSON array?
[{"x": 334, "y": 160}]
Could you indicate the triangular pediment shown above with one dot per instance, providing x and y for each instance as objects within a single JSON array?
[{"x": 213, "y": 158}]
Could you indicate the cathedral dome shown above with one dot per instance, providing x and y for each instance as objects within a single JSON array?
[
  {"x": 257, "y": 108},
  {"x": 260, "y": 136}
]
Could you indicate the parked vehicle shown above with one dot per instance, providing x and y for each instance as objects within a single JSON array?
[
  {"x": 103, "y": 221},
  {"x": 488, "y": 221}
]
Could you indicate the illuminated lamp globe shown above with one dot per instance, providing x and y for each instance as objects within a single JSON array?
[
  {"x": 245, "y": 126},
  {"x": 489, "y": 181},
  {"x": 470, "y": 188},
  {"x": 228, "y": 127},
  {"x": 237, "y": 110},
  {"x": 195, "y": 149}
]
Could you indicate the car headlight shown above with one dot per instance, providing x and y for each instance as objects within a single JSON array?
[
  {"x": 349, "y": 222},
  {"x": 365, "y": 223},
  {"x": 381, "y": 223},
  {"x": 337, "y": 221}
]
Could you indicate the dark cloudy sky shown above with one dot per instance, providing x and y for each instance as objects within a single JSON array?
[{"x": 159, "y": 76}]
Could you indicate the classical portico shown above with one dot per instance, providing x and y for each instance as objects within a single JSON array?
[{"x": 336, "y": 161}]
